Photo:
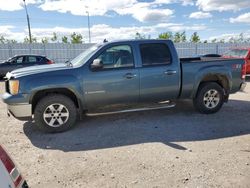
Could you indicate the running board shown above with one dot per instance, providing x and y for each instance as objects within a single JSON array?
[{"x": 165, "y": 106}]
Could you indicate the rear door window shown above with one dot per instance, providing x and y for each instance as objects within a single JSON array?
[
  {"x": 154, "y": 54},
  {"x": 31, "y": 59}
]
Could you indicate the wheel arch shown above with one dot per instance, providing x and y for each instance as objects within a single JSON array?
[
  {"x": 222, "y": 80},
  {"x": 62, "y": 91}
]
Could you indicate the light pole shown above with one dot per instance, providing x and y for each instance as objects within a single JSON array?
[
  {"x": 28, "y": 20},
  {"x": 88, "y": 26}
]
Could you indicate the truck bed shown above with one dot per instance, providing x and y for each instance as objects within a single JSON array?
[
  {"x": 203, "y": 59},
  {"x": 193, "y": 69}
]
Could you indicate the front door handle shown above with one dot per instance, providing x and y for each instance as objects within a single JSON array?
[
  {"x": 129, "y": 75},
  {"x": 170, "y": 72}
]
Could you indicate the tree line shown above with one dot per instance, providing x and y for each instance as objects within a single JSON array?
[
  {"x": 177, "y": 37},
  {"x": 74, "y": 38}
]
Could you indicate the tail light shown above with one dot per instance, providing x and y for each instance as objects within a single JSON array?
[
  {"x": 50, "y": 62},
  {"x": 244, "y": 71},
  {"x": 10, "y": 167}
]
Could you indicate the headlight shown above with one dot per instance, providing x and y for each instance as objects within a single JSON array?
[{"x": 14, "y": 87}]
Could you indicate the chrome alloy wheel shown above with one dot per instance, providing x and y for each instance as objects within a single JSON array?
[
  {"x": 55, "y": 115},
  {"x": 211, "y": 98}
]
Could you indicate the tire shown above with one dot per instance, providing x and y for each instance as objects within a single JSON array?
[
  {"x": 55, "y": 113},
  {"x": 209, "y": 98}
]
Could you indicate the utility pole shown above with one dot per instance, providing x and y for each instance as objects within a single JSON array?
[
  {"x": 88, "y": 25},
  {"x": 28, "y": 20}
]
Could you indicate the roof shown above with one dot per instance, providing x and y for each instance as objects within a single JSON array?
[
  {"x": 137, "y": 40},
  {"x": 29, "y": 55}
]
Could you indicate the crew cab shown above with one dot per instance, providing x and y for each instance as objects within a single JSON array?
[
  {"x": 119, "y": 76},
  {"x": 243, "y": 53}
]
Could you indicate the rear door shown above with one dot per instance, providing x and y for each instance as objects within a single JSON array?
[
  {"x": 159, "y": 74},
  {"x": 116, "y": 85}
]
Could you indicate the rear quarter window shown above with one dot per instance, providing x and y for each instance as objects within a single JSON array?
[{"x": 39, "y": 59}]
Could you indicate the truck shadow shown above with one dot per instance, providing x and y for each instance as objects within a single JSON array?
[{"x": 171, "y": 126}]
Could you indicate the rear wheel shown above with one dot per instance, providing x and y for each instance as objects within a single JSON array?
[
  {"x": 209, "y": 98},
  {"x": 55, "y": 113}
]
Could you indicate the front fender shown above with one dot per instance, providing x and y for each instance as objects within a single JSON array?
[{"x": 41, "y": 83}]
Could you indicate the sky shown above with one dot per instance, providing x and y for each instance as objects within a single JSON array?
[{"x": 121, "y": 19}]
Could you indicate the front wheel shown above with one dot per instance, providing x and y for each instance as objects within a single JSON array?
[
  {"x": 209, "y": 98},
  {"x": 55, "y": 113}
]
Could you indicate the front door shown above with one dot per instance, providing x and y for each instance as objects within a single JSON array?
[{"x": 114, "y": 86}]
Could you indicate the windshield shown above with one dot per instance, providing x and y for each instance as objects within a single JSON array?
[
  {"x": 236, "y": 53},
  {"x": 8, "y": 60},
  {"x": 84, "y": 56}
]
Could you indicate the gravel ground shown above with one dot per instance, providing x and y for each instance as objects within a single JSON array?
[{"x": 164, "y": 148}]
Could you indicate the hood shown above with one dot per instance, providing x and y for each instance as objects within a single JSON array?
[
  {"x": 2, "y": 62},
  {"x": 37, "y": 69}
]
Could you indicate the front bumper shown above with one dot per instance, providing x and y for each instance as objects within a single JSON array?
[
  {"x": 20, "y": 111},
  {"x": 18, "y": 106}
]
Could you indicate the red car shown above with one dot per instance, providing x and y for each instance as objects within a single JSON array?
[{"x": 243, "y": 53}]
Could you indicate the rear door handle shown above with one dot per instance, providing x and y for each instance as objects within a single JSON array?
[
  {"x": 170, "y": 72},
  {"x": 129, "y": 75}
]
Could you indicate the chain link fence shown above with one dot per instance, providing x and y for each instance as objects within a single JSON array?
[{"x": 60, "y": 52}]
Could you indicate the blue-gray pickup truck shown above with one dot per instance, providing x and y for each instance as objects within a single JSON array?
[{"x": 119, "y": 76}]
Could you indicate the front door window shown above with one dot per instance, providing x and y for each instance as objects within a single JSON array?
[{"x": 117, "y": 57}]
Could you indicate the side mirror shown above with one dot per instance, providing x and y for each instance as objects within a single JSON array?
[{"x": 96, "y": 64}]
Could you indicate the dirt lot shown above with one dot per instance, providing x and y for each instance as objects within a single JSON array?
[{"x": 163, "y": 148}]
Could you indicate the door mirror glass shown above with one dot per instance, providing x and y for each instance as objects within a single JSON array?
[{"x": 96, "y": 64}]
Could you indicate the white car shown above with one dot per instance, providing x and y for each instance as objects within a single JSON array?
[{"x": 10, "y": 177}]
